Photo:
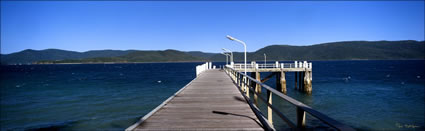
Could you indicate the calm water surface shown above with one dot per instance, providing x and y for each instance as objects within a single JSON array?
[{"x": 369, "y": 95}]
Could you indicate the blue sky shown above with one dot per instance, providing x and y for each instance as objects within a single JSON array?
[{"x": 202, "y": 26}]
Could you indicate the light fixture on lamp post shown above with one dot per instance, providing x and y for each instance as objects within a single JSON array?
[{"x": 244, "y": 45}]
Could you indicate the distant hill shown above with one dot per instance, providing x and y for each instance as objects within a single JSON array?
[
  {"x": 30, "y": 56},
  {"x": 347, "y": 50},
  {"x": 201, "y": 54},
  {"x": 136, "y": 56}
]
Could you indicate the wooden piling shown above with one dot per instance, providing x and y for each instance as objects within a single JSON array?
[
  {"x": 283, "y": 82},
  {"x": 257, "y": 88},
  {"x": 307, "y": 82}
]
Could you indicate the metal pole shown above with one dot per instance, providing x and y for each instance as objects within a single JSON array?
[
  {"x": 231, "y": 58},
  {"x": 231, "y": 53},
  {"x": 265, "y": 58},
  {"x": 226, "y": 57},
  {"x": 244, "y": 45}
]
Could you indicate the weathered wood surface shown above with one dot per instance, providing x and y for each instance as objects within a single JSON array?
[{"x": 210, "y": 102}]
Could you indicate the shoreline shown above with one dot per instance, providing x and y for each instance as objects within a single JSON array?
[{"x": 201, "y": 62}]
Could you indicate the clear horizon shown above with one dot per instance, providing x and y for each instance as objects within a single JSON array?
[
  {"x": 144, "y": 25},
  {"x": 159, "y": 49}
]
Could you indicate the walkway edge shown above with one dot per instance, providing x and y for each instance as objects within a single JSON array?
[{"x": 132, "y": 127}]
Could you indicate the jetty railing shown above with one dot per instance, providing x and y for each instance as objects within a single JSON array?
[
  {"x": 204, "y": 67},
  {"x": 247, "y": 83},
  {"x": 296, "y": 64}
]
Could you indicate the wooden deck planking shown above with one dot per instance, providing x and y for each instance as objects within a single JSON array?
[{"x": 192, "y": 108}]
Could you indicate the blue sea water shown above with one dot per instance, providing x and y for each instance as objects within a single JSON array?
[{"x": 368, "y": 95}]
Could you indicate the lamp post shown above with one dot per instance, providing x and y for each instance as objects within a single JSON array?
[
  {"x": 231, "y": 54},
  {"x": 244, "y": 45},
  {"x": 226, "y": 57},
  {"x": 265, "y": 59}
]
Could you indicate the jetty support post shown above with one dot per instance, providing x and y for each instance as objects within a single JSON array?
[
  {"x": 283, "y": 82},
  {"x": 307, "y": 82},
  {"x": 257, "y": 86}
]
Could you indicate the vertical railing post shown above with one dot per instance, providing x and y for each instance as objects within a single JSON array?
[
  {"x": 296, "y": 64},
  {"x": 233, "y": 77},
  {"x": 243, "y": 84},
  {"x": 246, "y": 81},
  {"x": 269, "y": 109},
  {"x": 236, "y": 81},
  {"x": 300, "y": 118},
  {"x": 240, "y": 81}
]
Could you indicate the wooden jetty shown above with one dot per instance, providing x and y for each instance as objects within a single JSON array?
[
  {"x": 220, "y": 100},
  {"x": 210, "y": 102}
]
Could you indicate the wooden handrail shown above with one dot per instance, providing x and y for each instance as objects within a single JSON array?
[
  {"x": 261, "y": 66},
  {"x": 301, "y": 107}
]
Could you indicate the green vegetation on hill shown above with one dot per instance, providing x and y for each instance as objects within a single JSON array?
[
  {"x": 137, "y": 56},
  {"x": 348, "y": 50},
  {"x": 30, "y": 56}
]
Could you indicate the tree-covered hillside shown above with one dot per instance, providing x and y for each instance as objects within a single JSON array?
[{"x": 347, "y": 50}]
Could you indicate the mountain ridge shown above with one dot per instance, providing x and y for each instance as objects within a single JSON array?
[{"x": 344, "y": 50}]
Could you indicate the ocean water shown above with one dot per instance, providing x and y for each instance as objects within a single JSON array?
[
  {"x": 86, "y": 96},
  {"x": 367, "y": 95}
]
